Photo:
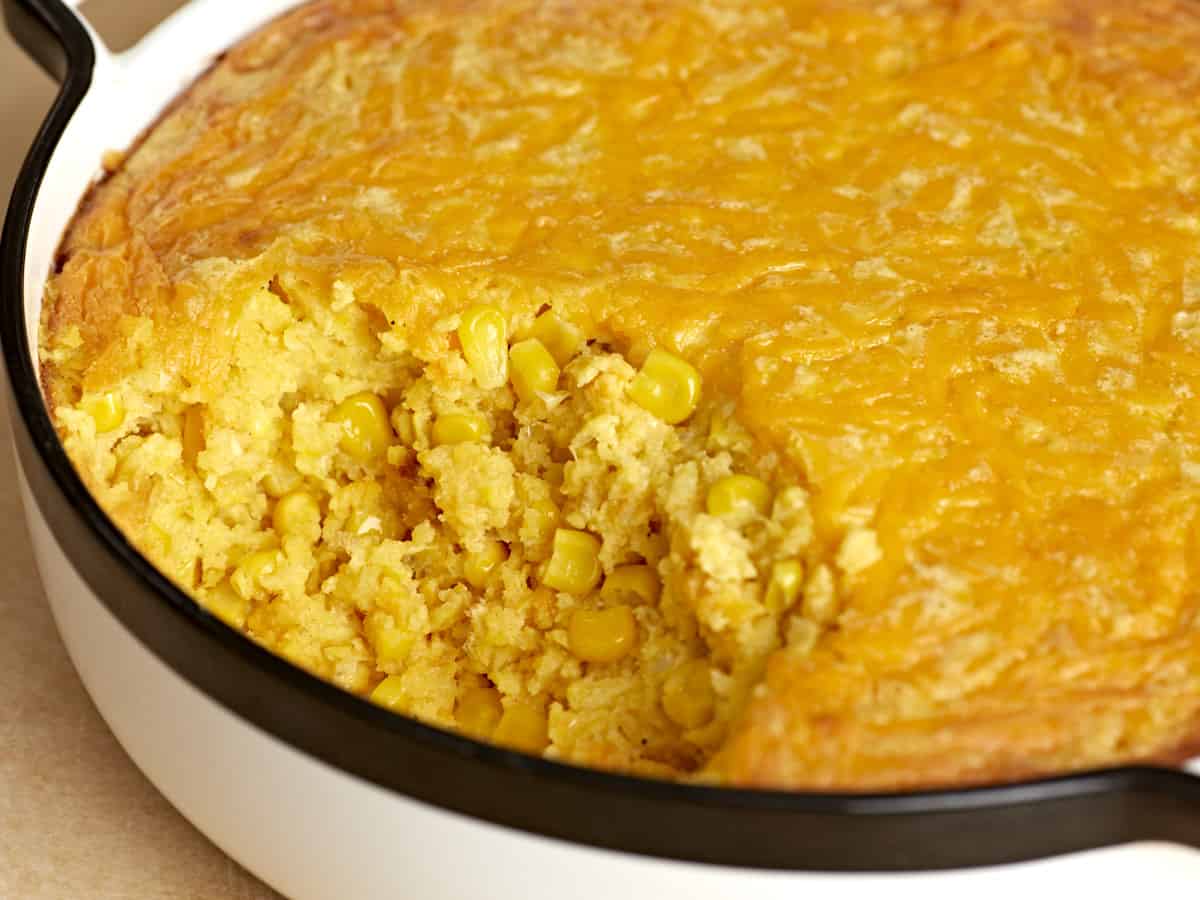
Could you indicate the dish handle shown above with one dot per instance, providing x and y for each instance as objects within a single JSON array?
[{"x": 57, "y": 37}]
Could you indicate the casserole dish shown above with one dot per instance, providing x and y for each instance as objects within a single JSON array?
[{"x": 281, "y": 812}]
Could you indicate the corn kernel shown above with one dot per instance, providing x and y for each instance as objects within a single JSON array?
[
  {"x": 390, "y": 693},
  {"x": 688, "y": 698},
  {"x": 247, "y": 577},
  {"x": 298, "y": 513},
  {"x": 479, "y": 711},
  {"x": 602, "y": 635},
  {"x": 192, "y": 433},
  {"x": 667, "y": 387},
  {"x": 483, "y": 333},
  {"x": 523, "y": 727},
  {"x": 783, "y": 588},
  {"x": 626, "y": 582},
  {"x": 224, "y": 603},
  {"x": 534, "y": 370},
  {"x": 402, "y": 424},
  {"x": 364, "y": 423},
  {"x": 106, "y": 410},
  {"x": 459, "y": 428},
  {"x": 481, "y": 564},
  {"x": 574, "y": 565},
  {"x": 738, "y": 496},
  {"x": 562, "y": 338}
]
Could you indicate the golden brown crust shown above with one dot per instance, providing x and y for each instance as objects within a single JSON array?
[{"x": 939, "y": 251}]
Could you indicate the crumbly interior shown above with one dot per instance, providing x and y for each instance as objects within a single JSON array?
[{"x": 933, "y": 265}]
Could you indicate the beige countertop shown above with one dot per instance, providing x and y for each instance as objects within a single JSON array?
[{"x": 77, "y": 820}]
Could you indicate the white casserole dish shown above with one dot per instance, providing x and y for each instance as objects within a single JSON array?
[{"x": 325, "y": 796}]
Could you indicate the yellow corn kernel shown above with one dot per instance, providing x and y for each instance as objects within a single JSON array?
[
  {"x": 298, "y": 513},
  {"x": 523, "y": 727},
  {"x": 247, "y": 577},
  {"x": 192, "y": 433},
  {"x": 459, "y": 428},
  {"x": 107, "y": 410},
  {"x": 479, "y": 711},
  {"x": 402, "y": 424},
  {"x": 688, "y": 698},
  {"x": 783, "y": 588},
  {"x": 667, "y": 387},
  {"x": 533, "y": 369},
  {"x": 390, "y": 693},
  {"x": 481, "y": 564},
  {"x": 224, "y": 603},
  {"x": 602, "y": 635},
  {"x": 625, "y": 582},
  {"x": 483, "y": 333},
  {"x": 562, "y": 338},
  {"x": 740, "y": 496},
  {"x": 574, "y": 565},
  {"x": 364, "y": 423}
]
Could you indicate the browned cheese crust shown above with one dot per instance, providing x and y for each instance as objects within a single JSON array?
[{"x": 934, "y": 264}]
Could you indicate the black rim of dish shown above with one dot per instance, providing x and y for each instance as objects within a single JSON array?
[{"x": 763, "y": 829}]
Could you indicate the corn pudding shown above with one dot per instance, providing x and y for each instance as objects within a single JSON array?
[{"x": 796, "y": 393}]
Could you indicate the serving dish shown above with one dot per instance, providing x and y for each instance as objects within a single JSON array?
[{"x": 322, "y": 794}]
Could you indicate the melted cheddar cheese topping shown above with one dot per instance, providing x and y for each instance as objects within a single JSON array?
[{"x": 936, "y": 265}]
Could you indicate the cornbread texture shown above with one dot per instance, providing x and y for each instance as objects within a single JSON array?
[{"x": 796, "y": 393}]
